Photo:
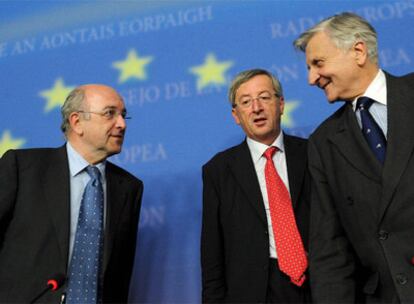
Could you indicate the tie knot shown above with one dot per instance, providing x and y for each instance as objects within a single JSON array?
[
  {"x": 364, "y": 103},
  {"x": 93, "y": 172},
  {"x": 269, "y": 152}
]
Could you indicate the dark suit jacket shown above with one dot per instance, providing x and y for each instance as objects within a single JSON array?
[
  {"x": 235, "y": 240},
  {"x": 362, "y": 219},
  {"x": 34, "y": 225}
]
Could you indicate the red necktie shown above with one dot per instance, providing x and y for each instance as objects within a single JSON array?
[{"x": 290, "y": 251}]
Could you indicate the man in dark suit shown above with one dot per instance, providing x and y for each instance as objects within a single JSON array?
[
  {"x": 243, "y": 256},
  {"x": 41, "y": 207},
  {"x": 362, "y": 167}
]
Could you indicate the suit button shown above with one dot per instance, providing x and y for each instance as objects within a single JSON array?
[
  {"x": 266, "y": 232},
  {"x": 350, "y": 200},
  {"x": 383, "y": 235},
  {"x": 401, "y": 279}
]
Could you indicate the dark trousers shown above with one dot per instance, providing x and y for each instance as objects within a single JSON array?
[{"x": 280, "y": 290}]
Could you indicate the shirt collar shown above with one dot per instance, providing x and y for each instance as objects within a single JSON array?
[
  {"x": 257, "y": 148},
  {"x": 377, "y": 90},
  {"x": 77, "y": 163}
]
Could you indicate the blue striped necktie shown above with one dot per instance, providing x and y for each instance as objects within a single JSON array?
[
  {"x": 370, "y": 129},
  {"x": 84, "y": 271}
]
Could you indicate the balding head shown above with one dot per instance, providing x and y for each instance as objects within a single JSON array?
[
  {"x": 77, "y": 100},
  {"x": 94, "y": 121}
]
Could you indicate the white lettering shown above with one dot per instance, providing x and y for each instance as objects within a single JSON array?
[
  {"x": 387, "y": 11},
  {"x": 24, "y": 46},
  {"x": 389, "y": 58},
  {"x": 143, "y": 153},
  {"x": 152, "y": 216},
  {"x": 141, "y": 96},
  {"x": 285, "y": 73},
  {"x": 177, "y": 89},
  {"x": 292, "y": 28},
  {"x": 3, "y": 52},
  {"x": 164, "y": 21}
]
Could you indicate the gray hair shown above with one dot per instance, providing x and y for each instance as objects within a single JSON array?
[
  {"x": 344, "y": 29},
  {"x": 245, "y": 76},
  {"x": 72, "y": 104}
]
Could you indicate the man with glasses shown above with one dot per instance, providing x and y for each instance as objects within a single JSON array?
[
  {"x": 68, "y": 214},
  {"x": 255, "y": 204}
]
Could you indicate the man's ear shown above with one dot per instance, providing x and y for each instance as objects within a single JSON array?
[
  {"x": 281, "y": 104},
  {"x": 360, "y": 52},
  {"x": 76, "y": 123},
  {"x": 235, "y": 116}
]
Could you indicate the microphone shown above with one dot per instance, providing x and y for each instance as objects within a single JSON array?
[{"x": 53, "y": 284}]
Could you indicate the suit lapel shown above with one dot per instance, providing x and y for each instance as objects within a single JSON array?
[
  {"x": 296, "y": 165},
  {"x": 56, "y": 189},
  {"x": 115, "y": 203},
  {"x": 350, "y": 142},
  {"x": 242, "y": 166},
  {"x": 401, "y": 137}
]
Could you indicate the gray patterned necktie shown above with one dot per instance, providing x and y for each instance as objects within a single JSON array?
[{"x": 84, "y": 271}]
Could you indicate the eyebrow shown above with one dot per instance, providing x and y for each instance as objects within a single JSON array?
[
  {"x": 261, "y": 92},
  {"x": 314, "y": 60},
  {"x": 265, "y": 91},
  {"x": 113, "y": 107}
]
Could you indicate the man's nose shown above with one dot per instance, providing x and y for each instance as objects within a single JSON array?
[
  {"x": 120, "y": 122},
  {"x": 256, "y": 105},
  {"x": 313, "y": 76}
]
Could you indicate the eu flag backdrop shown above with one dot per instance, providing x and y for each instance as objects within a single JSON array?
[{"x": 172, "y": 62}]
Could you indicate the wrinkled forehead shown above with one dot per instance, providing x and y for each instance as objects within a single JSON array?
[
  {"x": 320, "y": 45},
  {"x": 256, "y": 84}
]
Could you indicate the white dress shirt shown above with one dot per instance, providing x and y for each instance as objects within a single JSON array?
[{"x": 377, "y": 90}]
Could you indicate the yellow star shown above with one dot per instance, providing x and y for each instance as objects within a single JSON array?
[
  {"x": 7, "y": 142},
  {"x": 56, "y": 95},
  {"x": 211, "y": 72},
  {"x": 290, "y": 106},
  {"x": 132, "y": 67}
]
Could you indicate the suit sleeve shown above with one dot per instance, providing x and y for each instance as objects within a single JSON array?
[
  {"x": 212, "y": 248},
  {"x": 8, "y": 189},
  {"x": 331, "y": 258},
  {"x": 136, "y": 203},
  {"x": 118, "y": 274},
  {"x": 129, "y": 254}
]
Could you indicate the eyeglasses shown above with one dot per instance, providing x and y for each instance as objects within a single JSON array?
[
  {"x": 247, "y": 101},
  {"x": 109, "y": 114}
]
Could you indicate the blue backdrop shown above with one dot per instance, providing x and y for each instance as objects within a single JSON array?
[{"x": 172, "y": 62}]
